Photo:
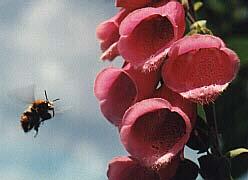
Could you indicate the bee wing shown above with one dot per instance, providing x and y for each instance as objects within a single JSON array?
[
  {"x": 23, "y": 94},
  {"x": 60, "y": 110},
  {"x": 60, "y": 107}
]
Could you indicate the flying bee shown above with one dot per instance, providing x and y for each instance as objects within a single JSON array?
[{"x": 36, "y": 113}]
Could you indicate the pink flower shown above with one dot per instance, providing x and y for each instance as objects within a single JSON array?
[
  {"x": 146, "y": 32},
  {"x": 128, "y": 168},
  {"x": 135, "y": 4},
  {"x": 177, "y": 100},
  {"x": 154, "y": 131},
  {"x": 168, "y": 170},
  {"x": 117, "y": 89},
  {"x": 132, "y": 4},
  {"x": 108, "y": 33},
  {"x": 200, "y": 67},
  {"x": 160, "y": 2}
]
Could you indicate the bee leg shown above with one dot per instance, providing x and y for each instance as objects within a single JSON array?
[
  {"x": 36, "y": 128},
  {"x": 53, "y": 113},
  {"x": 36, "y": 133},
  {"x": 42, "y": 122},
  {"x": 45, "y": 116}
]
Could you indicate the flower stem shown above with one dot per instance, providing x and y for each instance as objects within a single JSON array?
[
  {"x": 191, "y": 9},
  {"x": 190, "y": 13},
  {"x": 212, "y": 122},
  {"x": 190, "y": 18}
]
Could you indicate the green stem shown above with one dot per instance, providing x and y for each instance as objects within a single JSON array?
[
  {"x": 190, "y": 18},
  {"x": 191, "y": 9},
  {"x": 212, "y": 122},
  {"x": 190, "y": 13}
]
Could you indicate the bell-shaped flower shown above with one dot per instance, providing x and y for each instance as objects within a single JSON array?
[
  {"x": 147, "y": 32},
  {"x": 132, "y": 4},
  {"x": 128, "y": 168},
  {"x": 155, "y": 130},
  {"x": 135, "y": 4},
  {"x": 117, "y": 89},
  {"x": 176, "y": 100},
  {"x": 158, "y": 3},
  {"x": 108, "y": 34},
  {"x": 200, "y": 67}
]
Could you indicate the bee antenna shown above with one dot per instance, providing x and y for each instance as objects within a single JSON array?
[
  {"x": 46, "y": 95},
  {"x": 56, "y": 99}
]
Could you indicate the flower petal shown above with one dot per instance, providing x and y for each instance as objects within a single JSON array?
[
  {"x": 177, "y": 100},
  {"x": 201, "y": 70},
  {"x": 169, "y": 170},
  {"x": 127, "y": 168},
  {"x": 117, "y": 89},
  {"x": 154, "y": 132},
  {"x": 155, "y": 62},
  {"x": 146, "y": 31},
  {"x": 132, "y": 4},
  {"x": 111, "y": 53},
  {"x": 108, "y": 31},
  {"x": 194, "y": 43}
]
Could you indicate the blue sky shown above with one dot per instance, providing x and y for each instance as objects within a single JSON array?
[{"x": 52, "y": 44}]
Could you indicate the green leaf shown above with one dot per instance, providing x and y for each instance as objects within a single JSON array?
[
  {"x": 186, "y": 170},
  {"x": 208, "y": 166},
  {"x": 217, "y": 6},
  {"x": 236, "y": 152},
  {"x": 232, "y": 119},
  {"x": 197, "y": 5},
  {"x": 214, "y": 167},
  {"x": 201, "y": 112},
  {"x": 239, "y": 159}
]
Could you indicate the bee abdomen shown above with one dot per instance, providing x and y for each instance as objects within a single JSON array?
[{"x": 25, "y": 122}]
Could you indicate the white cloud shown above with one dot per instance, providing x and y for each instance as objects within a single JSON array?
[
  {"x": 86, "y": 162},
  {"x": 48, "y": 43},
  {"x": 53, "y": 44},
  {"x": 52, "y": 28},
  {"x": 22, "y": 153}
]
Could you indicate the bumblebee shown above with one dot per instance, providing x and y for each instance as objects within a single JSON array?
[{"x": 36, "y": 113}]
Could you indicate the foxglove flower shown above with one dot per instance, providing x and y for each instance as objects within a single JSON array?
[
  {"x": 200, "y": 67},
  {"x": 128, "y": 168},
  {"x": 154, "y": 131},
  {"x": 147, "y": 32},
  {"x": 108, "y": 34},
  {"x": 176, "y": 100},
  {"x": 157, "y": 3},
  {"x": 117, "y": 89},
  {"x": 132, "y": 4}
]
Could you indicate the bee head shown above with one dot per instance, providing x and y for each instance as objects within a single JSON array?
[{"x": 50, "y": 104}]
